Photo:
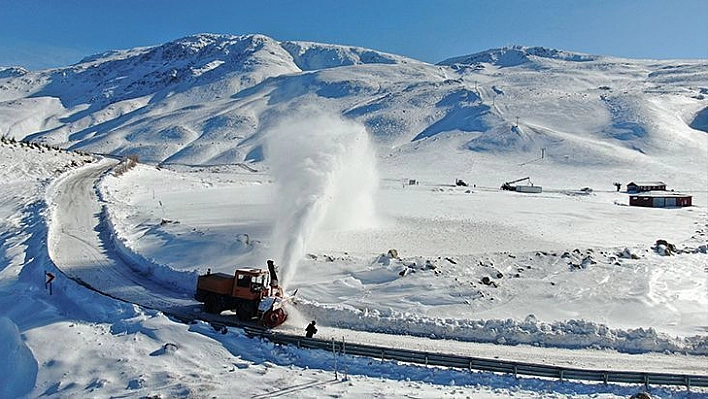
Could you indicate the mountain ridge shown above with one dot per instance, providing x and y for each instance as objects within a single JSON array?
[
  {"x": 211, "y": 99},
  {"x": 517, "y": 55}
]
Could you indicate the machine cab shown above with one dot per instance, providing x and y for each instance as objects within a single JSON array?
[{"x": 251, "y": 283}]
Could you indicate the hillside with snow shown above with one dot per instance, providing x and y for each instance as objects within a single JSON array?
[
  {"x": 326, "y": 158},
  {"x": 212, "y": 100}
]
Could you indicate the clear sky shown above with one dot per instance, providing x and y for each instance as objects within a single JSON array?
[{"x": 41, "y": 34}]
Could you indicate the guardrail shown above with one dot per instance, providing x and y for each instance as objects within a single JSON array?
[
  {"x": 448, "y": 360},
  {"x": 482, "y": 364}
]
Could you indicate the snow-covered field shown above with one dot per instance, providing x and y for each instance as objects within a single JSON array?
[
  {"x": 572, "y": 252},
  {"x": 571, "y": 276},
  {"x": 618, "y": 312}
]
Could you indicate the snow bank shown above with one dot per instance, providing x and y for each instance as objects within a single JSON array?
[
  {"x": 184, "y": 281},
  {"x": 363, "y": 375},
  {"x": 18, "y": 367},
  {"x": 570, "y": 334}
]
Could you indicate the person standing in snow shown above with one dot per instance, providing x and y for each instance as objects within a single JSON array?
[
  {"x": 310, "y": 329},
  {"x": 273, "y": 276},
  {"x": 275, "y": 287}
]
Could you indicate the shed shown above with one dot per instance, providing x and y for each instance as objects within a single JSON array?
[
  {"x": 636, "y": 187},
  {"x": 660, "y": 199}
]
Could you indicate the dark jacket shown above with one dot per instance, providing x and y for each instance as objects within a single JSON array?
[{"x": 311, "y": 330}]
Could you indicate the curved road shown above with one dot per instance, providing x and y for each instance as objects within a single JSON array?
[{"x": 82, "y": 248}]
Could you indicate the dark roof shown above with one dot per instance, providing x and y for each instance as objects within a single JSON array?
[{"x": 647, "y": 183}]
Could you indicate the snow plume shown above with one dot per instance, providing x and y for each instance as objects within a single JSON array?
[{"x": 325, "y": 171}]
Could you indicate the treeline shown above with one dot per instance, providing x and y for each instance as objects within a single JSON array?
[
  {"x": 39, "y": 146},
  {"x": 125, "y": 165}
]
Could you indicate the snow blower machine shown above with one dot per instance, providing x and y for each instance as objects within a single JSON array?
[{"x": 254, "y": 294}]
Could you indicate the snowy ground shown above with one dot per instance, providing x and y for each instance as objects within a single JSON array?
[
  {"x": 572, "y": 274},
  {"x": 612, "y": 311},
  {"x": 558, "y": 248}
]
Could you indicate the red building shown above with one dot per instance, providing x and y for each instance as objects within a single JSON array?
[{"x": 660, "y": 199}]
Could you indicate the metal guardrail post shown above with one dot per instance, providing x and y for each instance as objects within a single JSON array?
[
  {"x": 346, "y": 367},
  {"x": 334, "y": 353}
]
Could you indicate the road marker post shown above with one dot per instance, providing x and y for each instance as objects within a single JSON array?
[{"x": 48, "y": 283}]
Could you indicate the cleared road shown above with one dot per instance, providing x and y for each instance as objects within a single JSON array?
[{"x": 81, "y": 246}]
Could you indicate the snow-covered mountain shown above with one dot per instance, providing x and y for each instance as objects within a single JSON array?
[
  {"x": 517, "y": 55},
  {"x": 209, "y": 99},
  {"x": 570, "y": 277}
]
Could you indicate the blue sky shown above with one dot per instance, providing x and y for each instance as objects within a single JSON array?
[{"x": 41, "y": 34}]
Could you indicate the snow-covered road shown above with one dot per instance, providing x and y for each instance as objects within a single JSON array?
[{"x": 81, "y": 245}]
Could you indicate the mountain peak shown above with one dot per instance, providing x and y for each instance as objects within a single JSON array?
[
  {"x": 12, "y": 72},
  {"x": 205, "y": 47},
  {"x": 198, "y": 45},
  {"x": 230, "y": 62},
  {"x": 313, "y": 56},
  {"x": 517, "y": 55}
]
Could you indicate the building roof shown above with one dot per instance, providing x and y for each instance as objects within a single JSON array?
[
  {"x": 647, "y": 183},
  {"x": 660, "y": 194}
]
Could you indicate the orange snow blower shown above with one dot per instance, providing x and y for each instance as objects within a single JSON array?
[{"x": 254, "y": 294}]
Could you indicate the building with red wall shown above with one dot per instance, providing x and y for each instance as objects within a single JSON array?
[{"x": 660, "y": 199}]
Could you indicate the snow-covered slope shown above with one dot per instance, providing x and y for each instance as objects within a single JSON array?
[
  {"x": 77, "y": 343},
  {"x": 517, "y": 55},
  {"x": 211, "y": 99}
]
